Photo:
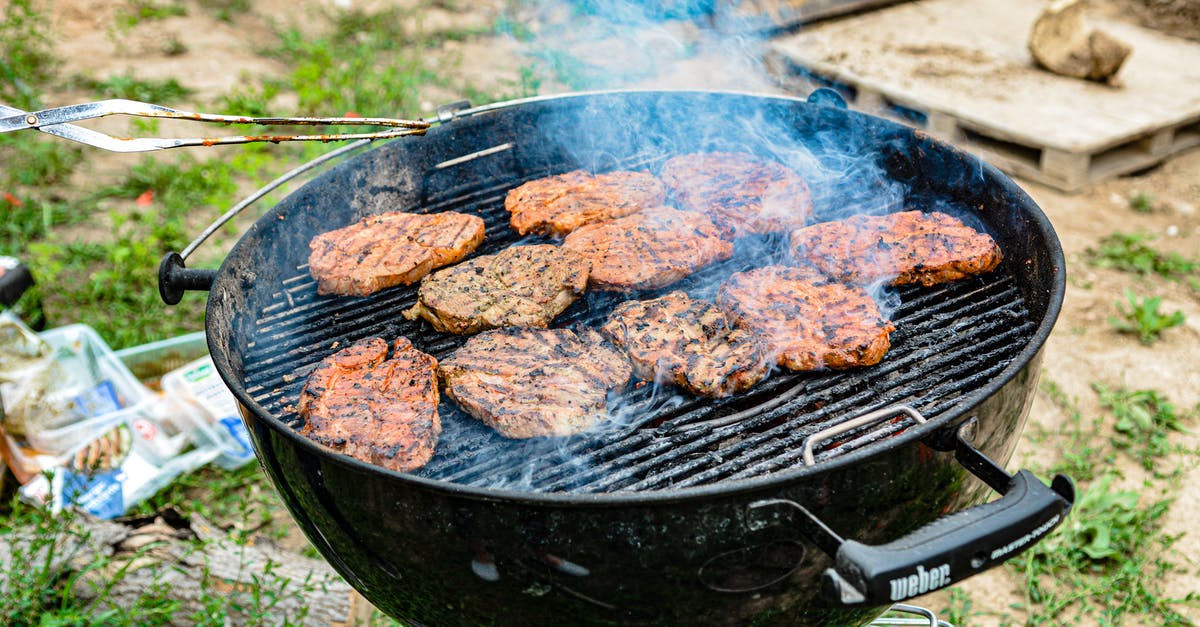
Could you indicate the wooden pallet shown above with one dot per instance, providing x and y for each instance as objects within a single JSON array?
[
  {"x": 734, "y": 16},
  {"x": 959, "y": 68}
]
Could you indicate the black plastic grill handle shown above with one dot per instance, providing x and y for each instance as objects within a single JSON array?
[{"x": 950, "y": 548}]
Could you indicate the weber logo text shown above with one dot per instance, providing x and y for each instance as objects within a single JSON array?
[{"x": 921, "y": 582}]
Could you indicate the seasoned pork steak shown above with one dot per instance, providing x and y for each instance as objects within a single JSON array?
[
  {"x": 390, "y": 249},
  {"x": 807, "y": 323},
  {"x": 557, "y": 205},
  {"x": 742, "y": 193},
  {"x": 648, "y": 250},
  {"x": 690, "y": 343},
  {"x": 380, "y": 410},
  {"x": 527, "y": 383},
  {"x": 521, "y": 286},
  {"x": 901, "y": 248}
]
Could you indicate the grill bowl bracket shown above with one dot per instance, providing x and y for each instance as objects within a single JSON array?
[{"x": 413, "y": 545}]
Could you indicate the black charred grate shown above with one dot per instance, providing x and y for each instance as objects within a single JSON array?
[{"x": 949, "y": 341}]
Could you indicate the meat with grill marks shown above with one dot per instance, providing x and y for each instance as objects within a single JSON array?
[
  {"x": 390, "y": 249},
  {"x": 690, "y": 343},
  {"x": 742, "y": 193},
  {"x": 521, "y": 286},
  {"x": 379, "y": 409},
  {"x": 808, "y": 323},
  {"x": 557, "y": 205},
  {"x": 899, "y": 248},
  {"x": 527, "y": 383},
  {"x": 648, "y": 250}
]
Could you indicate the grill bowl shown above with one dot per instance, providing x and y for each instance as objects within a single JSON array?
[{"x": 600, "y": 529}]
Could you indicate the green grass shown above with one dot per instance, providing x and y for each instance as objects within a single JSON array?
[
  {"x": 1132, "y": 253},
  {"x": 94, "y": 241},
  {"x": 1108, "y": 562}
]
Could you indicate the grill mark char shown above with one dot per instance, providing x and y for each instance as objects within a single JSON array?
[
  {"x": 527, "y": 383},
  {"x": 377, "y": 409},
  {"x": 901, "y": 248},
  {"x": 557, "y": 205},
  {"x": 521, "y": 286},
  {"x": 808, "y": 323},
  {"x": 390, "y": 249},
  {"x": 690, "y": 343},
  {"x": 741, "y": 193}
]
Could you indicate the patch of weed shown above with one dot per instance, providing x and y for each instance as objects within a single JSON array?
[
  {"x": 1104, "y": 563},
  {"x": 1143, "y": 317},
  {"x": 1145, "y": 420},
  {"x": 1130, "y": 253},
  {"x": 1141, "y": 202},
  {"x": 137, "y": 11},
  {"x": 226, "y": 10},
  {"x": 132, "y": 88},
  {"x": 27, "y": 61}
]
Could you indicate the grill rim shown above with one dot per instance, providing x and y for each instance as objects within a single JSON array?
[{"x": 1027, "y": 357}]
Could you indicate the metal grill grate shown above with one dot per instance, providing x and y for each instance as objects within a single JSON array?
[{"x": 949, "y": 341}]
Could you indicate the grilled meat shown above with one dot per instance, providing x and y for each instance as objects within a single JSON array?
[
  {"x": 689, "y": 343},
  {"x": 521, "y": 286},
  {"x": 379, "y": 410},
  {"x": 807, "y": 323},
  {"x": 901, "y": 248},
  {"x": 390, "y": 249},
  {"x": 528, "y": 383},
  {"x": 742, "y": 193},
  {"x": 557, "y": 205},
  {"x": 648, "y": 250}
]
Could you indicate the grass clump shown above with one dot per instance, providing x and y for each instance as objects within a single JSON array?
[
  {"x": 130, "y": 87},
  {"x": 1143, "y": 318},
  {"x": 1108, "y": 561},
  {"x": 1131, "y": 253},
  {"x": 27, "y": 60}
]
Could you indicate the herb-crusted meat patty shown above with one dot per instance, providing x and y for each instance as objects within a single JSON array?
[
  {"x": 901, "y": 248},
  {"x": 528, "y": 383},
  {"x": 380, "y": 410},
  {"x": 521, "y": 286},
  {"x": 390, "y": 249},
  {"x": 808, "y": 323},
  {"x": 742, "y": 193},
  {"x": 690, "y": 343},
  {"x": 557, "y": 205},
  {"x": 648, "y": 250}
]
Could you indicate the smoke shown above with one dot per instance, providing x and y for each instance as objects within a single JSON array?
[{"x": 589, "y": 45}]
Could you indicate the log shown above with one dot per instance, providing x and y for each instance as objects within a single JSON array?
[
  {"x": 187, "y": 560},
  {"x": 1062, "y": 42}
]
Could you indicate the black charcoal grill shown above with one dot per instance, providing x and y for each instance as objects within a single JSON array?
[{"x": 679, "y": 510}]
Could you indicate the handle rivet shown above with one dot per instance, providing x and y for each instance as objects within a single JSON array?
[{"x": 31, "y": 119}]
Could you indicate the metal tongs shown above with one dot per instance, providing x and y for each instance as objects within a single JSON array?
[{"x": 57, "y": 121}]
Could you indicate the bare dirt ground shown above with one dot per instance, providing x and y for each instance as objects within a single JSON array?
[{"x": 1083, "y": 349}]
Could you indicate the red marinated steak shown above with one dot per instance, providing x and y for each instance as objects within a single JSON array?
[
  {"x": 741, "y": 192},
  {"x": 900, "y": 248},
  {"x": 380, "y": 410},
  {"x": 808, "y": 323},
  {"x": 648, "y": 250},
  {"x": 527, "y": 383},
  {"x": 690, "y": 343},
  {"x": 557, "y": 205},
  {"x": 390, "y": 249},
  {"x": 521, "y": 286}
]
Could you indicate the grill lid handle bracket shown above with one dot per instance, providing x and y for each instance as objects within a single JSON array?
[{"x": 948, "y": 549}]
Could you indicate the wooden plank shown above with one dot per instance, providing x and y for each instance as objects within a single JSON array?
[{"x": 959, "y": 68}]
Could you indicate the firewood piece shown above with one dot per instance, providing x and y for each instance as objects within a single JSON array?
[{"x": 1061, "y": 42}]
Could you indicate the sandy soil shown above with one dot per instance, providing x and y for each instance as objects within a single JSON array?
[{"x": 216, "y": 56}]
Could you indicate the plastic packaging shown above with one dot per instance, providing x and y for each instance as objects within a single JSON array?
[{"x": 199, "y": 384}]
